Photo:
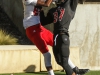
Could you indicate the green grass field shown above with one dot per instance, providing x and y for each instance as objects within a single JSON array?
[{"x": 56, "y": 73}]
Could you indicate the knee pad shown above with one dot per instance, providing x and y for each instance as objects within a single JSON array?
[{"x": 47, "y": 59}]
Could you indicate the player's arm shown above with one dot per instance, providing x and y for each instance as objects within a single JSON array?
[
  {"x": 44, "y": 3},
  {"x": 73, "y": 4},
  {"x": 38, "y": 2},
  {"x": 46, "y": 19}
]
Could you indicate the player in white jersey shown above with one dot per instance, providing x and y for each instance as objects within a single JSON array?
[{"x": 40, "y": 36}]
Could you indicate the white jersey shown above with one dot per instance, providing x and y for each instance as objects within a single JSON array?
[{"x": 31, "y": 14}]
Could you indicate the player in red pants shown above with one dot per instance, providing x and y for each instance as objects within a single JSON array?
[{"x": 36, "y": 32}]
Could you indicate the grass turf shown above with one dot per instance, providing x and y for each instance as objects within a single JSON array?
[{"x": 56, "y": 73}]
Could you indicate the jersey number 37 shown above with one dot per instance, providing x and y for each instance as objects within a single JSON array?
[{"x": 58, "y": 14}]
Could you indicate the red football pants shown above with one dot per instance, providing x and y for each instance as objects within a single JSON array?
[{"x": 40, "y": 36}]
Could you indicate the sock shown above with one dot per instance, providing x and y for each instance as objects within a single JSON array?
[
  {"x": 71, "y": 64},
  {"x": 51, "y": 72}
]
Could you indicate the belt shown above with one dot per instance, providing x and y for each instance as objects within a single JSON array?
[{"x": 62, "y": 32}]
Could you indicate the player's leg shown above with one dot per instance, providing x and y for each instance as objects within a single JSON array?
[
  {"x": 65, "y": 52},
  {"x": 48, "y": 36},
  {"x": 71, "y": 64},
  {"x": 61, "y": 52},
  {"x": 47, "y": 59},
  {"x": 38, "y": 40}
]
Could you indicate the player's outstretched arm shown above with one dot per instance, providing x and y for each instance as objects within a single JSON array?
[
  {"x": 38, "y": 2},
  {"x": 74, "y": 4}
]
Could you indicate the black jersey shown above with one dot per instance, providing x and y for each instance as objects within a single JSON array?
[{"x": 61, "y": 15}]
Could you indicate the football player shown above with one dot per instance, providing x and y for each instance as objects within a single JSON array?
[{"x": 61, "y": 16}]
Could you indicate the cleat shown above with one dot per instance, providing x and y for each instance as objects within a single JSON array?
[{"x": 80, "y": 71}]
